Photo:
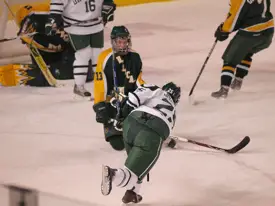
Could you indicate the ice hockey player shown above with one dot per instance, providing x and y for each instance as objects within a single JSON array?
[
  {"x": 128, "y": 69},
  {"x": 84, "y": 22},
  {"x": 150, "y": 115},
  {"x": 253, "y": 21},
  {"x": 55, "y": 50}
]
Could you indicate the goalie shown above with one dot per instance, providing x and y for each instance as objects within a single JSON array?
[{"x": 55, "y": 50}]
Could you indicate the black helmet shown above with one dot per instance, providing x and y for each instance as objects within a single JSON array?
[
  {"x": 173, "y": 90},
  {"x": 120, "y": 33}
]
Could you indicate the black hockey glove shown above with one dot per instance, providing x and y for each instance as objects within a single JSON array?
[
  {"x": 220, "y": 34},
  {"x": 54, "y": 23},
  {"x": 108, "y": 11},
  {"x": 101, "y": 112},
  {"x": 124, "y": 112}
]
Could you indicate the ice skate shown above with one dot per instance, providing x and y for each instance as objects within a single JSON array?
[
  {"x": 237, "y": 83},
  {"x": 222, "y": 93},
  {"x": 131, "y": 197},
  {"x": 107, "y": 178},
  {"x": 80, "y": 91}
]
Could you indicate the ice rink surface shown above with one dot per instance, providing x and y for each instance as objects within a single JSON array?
[{"x": 52, "y": 143}]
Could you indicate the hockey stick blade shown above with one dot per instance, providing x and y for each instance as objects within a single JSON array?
[
  {"x": 233, "y": 150},
  {"x": 18, "y": 37},
  {"x": 239, "y": 146},
  {"x": 5, "y": 40}
]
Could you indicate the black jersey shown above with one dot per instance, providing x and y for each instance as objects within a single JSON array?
[
  {"x": 249, "y": 17},
  {"x": 128, "y": 71}
]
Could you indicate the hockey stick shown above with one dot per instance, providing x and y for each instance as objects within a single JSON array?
[
  {"x": 202, "y": 68},
  {"x": 42, "y": 65},
  {"x": 18, "y": 37},
  {"x": 116, "y": 83},
  {"x": 233, "y": 150}
]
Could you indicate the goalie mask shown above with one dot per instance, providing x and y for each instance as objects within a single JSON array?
[
  {"x": 23, "y": 20},
  {"x": 22, "y": 14},
  {"x": 121, "y": 40}
]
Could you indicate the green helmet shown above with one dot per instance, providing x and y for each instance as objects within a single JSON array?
[
  {"x": 121, "y": 40},
  {"x": 119, "y": 31}
]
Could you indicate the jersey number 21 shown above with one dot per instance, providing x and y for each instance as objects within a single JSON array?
[{"x": 168, "y": 107}]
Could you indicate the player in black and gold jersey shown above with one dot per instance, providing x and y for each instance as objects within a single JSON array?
[
  {"x": 253, "y": 21},
  {"x": 55, "y": 50},
  {"x": 128, "y": 67}
]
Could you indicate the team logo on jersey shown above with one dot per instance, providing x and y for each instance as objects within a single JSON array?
[
  {"x": 76, "y": 1},
  {"x": 128, "y": 75}
]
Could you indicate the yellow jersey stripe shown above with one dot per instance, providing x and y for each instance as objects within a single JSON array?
[
  {"x": 235, "y": 10},
  {"x": 260, "y": 27},
  {"x": 100, "y": 81},
  {"x": 140, "y": 81}
]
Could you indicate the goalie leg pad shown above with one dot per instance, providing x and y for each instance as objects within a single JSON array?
[{"x": 14, "y": 75}]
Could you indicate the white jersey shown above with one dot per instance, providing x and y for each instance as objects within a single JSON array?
[
  {"x": 80, "y": 17},
  {"x": 153, "y": 100}
]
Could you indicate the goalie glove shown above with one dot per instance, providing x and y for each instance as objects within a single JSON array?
[{"x": 108, "y": 12}]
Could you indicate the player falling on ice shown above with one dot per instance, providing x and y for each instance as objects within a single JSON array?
[{"x": 150, "y": 114}]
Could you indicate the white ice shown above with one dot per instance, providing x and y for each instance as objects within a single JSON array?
[{"x": 52, "y": 143}]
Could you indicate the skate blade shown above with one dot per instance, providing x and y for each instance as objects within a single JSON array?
[
  {"x": 81, "y": 98},
  {"x": 105, "y": 184},
  {"x": 222, "y": 98},
  {"x": 127, "y": 204},
  {"x": 130, "y": 203}
]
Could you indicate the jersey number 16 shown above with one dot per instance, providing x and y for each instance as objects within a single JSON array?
[{"x": 90, "y": 5}]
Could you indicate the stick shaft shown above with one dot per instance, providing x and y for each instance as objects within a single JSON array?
[{"x": 202, "y": 68}]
